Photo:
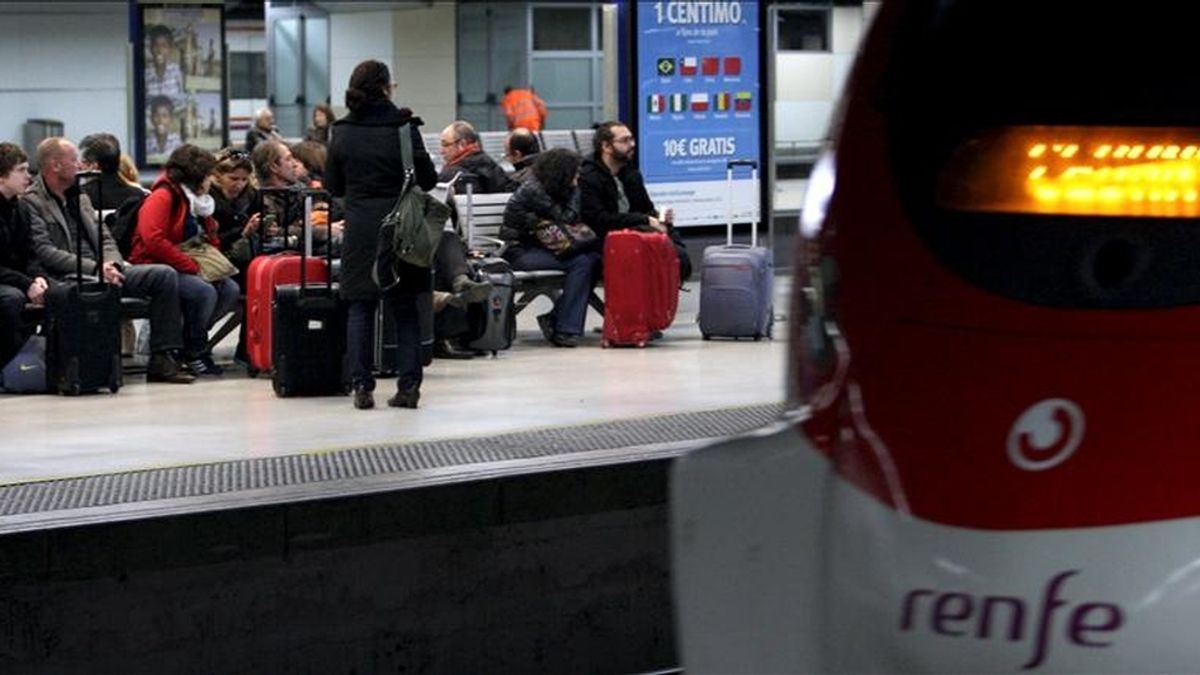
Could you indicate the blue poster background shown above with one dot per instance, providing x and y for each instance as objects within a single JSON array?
[{"x": 698, "y": 104}]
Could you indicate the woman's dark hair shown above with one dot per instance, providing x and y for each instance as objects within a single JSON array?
[
  {"x": 371, "y": 81},
  {"x": 555, "y": 169},
  {"x": 330, "y": 118},
  {"x": 190, "y": 165},
  {"x": 312, "y": 155}
]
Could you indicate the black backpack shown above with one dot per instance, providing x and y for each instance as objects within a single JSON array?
[{"x": 123, "y": 222}]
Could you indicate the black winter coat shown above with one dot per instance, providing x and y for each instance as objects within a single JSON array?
[
  {"x": 365, "y": 167},
  {"x": 489, "y": 177},
  {"x": 18, "y": 263},
  {"x": 529, "y": 206},
  {"x": 599, "y": 198}
]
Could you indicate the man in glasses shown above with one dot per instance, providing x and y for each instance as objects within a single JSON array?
[{"x": 613, "y": 193}]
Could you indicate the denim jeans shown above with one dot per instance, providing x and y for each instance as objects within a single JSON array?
[
  {"x": 360, "y": 340},
  {"x": 583, "y": 271},
  {"x": 202, "y": 304},
  {"x": 160, "y": 285}
]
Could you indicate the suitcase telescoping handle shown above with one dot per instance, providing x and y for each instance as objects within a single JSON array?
[
  {"x": 729, "y": 167},
  {"x": 306, "y": 249},
  {"x": 80, "y": 233},
  {"x": 468, "y": 181}
]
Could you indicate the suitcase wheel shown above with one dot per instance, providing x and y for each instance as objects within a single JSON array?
[
  {"x": 252, "y": 372},
  {"x": 604, "y": 344},
  {"x": 281, "y": 391},
  {"x": 494, "y": 352},
  {"x": 705, "y": 336}
]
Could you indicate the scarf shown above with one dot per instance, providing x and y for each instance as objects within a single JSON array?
[{"x": 468, "y": 149}]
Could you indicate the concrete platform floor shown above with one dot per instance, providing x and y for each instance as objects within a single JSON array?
[{"x": 532, "y": 385}]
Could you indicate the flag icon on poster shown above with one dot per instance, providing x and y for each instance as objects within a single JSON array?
[
  {"x": 733, "y": 65},
  {"x": 721, "y": 101},
  {"x": 656, "y": 104},
  {"x": 710, "y": 66},
  {"x": 665, "y": 67},
  {"x": 678, "y": 102},
  {"x": 743, "y": 102},
  {"x": 688, "y": 66},
  {"x": 700, "y": 102}
]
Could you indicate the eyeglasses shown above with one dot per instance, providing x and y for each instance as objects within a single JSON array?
[
  {"x": 232, "y": 155},
  {"x": 623, "y": 140}
]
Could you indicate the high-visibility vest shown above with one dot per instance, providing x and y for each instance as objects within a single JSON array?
[{"x": 523, "y": 108}]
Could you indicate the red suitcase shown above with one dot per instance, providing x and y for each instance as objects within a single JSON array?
[
  {"x": 262, "y": 277},
  {"x": 641, "y": 286}
]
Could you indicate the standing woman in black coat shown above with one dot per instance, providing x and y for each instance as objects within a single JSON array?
[{"x": 365, "y": 167}]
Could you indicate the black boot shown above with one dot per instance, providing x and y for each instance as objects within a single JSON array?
[
  {"x": 164, "y": 368},
  {"x": 364, "y": 399},
  {"x": 406, "y": 398}
]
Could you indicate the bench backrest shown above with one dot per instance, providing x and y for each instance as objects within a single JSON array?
[
  {"x": 558, "y": 138},
  {"x": 487, "y": 216}
]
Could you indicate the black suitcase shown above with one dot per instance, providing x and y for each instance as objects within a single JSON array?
[
  {"x": 308, "y": 343},
  {"x": 493, "y": 322},
  {"x": 385, "y": 334},
  {"x": 83, "y": 325}
]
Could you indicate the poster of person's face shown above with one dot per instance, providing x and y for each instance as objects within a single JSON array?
[{"x": 184, "y": 79}]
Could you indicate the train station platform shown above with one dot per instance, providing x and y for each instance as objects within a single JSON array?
[
  {"x": 224, "y": 442},
  {"x": 516, "y": 522}
]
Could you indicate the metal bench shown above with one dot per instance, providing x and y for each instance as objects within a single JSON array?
[
  {"x": 482, "y": 219},
  {"x": 558, "y": 138}
]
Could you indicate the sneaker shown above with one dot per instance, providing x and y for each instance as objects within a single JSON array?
[
  {"x": 546, "y": 323},
  {"x": 563, "y": 340},
  {"x": 467, "y": 290},
  {"x": 446, "y": 349},
  {"x": 204, "y": 366},
  {"x": 164, "y": 368}
]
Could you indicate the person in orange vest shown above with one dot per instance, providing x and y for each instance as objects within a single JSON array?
[{"x": 524, "y": 108}]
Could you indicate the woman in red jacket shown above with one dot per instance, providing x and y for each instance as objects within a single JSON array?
[{"x": 180, "y": 208}]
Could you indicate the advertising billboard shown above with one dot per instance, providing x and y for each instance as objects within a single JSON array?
[
  {"x": 183, "y": 80},
  {"x": 699, "y": 106}
]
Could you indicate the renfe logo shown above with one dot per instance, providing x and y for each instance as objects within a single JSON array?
[
  {"x": 1046, "y": 434},
  {"x": 959, "y": 614}
]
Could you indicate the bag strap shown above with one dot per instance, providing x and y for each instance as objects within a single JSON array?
[{"x": 406, "y": 155}]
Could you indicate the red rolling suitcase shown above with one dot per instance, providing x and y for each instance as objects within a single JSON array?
[
  {"x": 641, "y": 286},
  {"x": 264, "y": 275}
]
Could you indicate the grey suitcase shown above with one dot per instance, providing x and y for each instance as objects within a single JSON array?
[
  {"x": 737, "y": 281},
  {"x": 493, "y": 321}
]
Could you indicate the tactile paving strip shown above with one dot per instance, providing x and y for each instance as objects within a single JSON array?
[{"x": 269, "y": 472}]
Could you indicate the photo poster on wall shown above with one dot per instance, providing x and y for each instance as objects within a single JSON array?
[
  {"x": 183, "y": 96},
  {"x": 699, "y": 105}
]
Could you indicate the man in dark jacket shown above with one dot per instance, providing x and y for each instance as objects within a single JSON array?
[
  {"x": 102, "y": 152},
  {"x": 53, "y": 205},
  {"x": 21, "y": 277},
  {"x": 463, "y": 155},
  {"x": 521, "y": 146},
  {"x": 614, "y": 194}
]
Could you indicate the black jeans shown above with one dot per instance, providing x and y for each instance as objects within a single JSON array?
[
  {"x": 360, "y": 339},
  {"x": 12, "y": 301}
]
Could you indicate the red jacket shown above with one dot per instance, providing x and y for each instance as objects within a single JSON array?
[{"x": 160, "y": 228}]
